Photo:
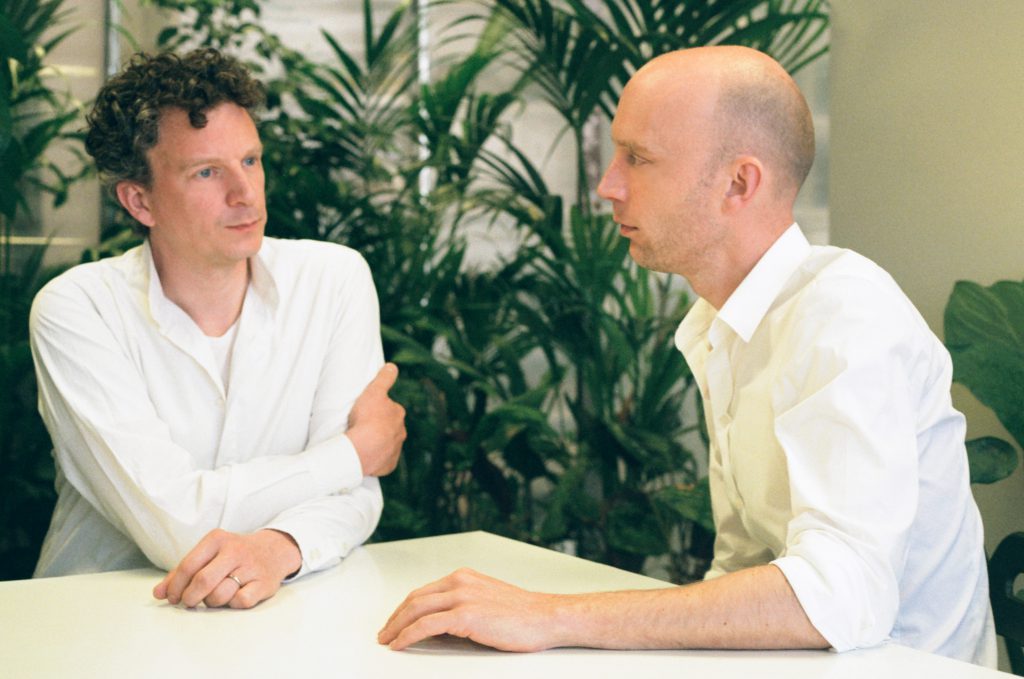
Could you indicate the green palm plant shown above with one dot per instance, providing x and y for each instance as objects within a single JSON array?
[
  {"x": 579, "y": 55},
  {"x": 478, "y": 436},
  {"x": 611, "y": 324},
  {"x": 792, "y": 31},
  {"x": 34, "y": 115}
]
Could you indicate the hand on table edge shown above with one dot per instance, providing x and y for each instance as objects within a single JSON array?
[
  {"x": 260, "y": 561},
  {"x": 750, "y": 609},
  {"x": 471, "y": 605}
]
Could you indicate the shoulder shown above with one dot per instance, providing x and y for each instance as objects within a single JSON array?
[
  {"x": 91, "y": 286},
  {"x": 295, "y": 257},
  {"x": 841, "y": 306},
  {"x": 314, "y": 270},
  {"x": 845, "y": 286}
]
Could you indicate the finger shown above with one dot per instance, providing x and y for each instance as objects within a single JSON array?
[
  {"x": 160, "y": 590},
  {"x": 172, "y": 586},
  {"x": 207, "y": 579},
  {"x": 222, "y": 593},
  {"x": 181, "y": 576},
  {"x": 253, "y": 593},
  {"x": 434, "y": 587},
  {"x": 413, "y": 610},
  {"x": 429, "y": 626},
  {"x": 384, "y": 380}
]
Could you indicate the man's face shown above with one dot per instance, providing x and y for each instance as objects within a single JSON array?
[
  {"x": 663, "y": 181},
  {"x": 205, "y": 207}
]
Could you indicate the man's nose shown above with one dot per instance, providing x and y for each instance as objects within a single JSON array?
[
  {"x": 243, "y": 189},
  {"x": 612, "y": 186}
]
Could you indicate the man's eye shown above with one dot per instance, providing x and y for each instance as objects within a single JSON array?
[
  {"x": 251, "y": 161},
  {"x": 205, "y": 173}
]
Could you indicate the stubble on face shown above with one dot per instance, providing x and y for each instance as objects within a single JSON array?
[{"x": 683, "y": 237}]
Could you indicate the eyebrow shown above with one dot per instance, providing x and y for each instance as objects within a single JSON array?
[
  {"x": 208, "y": 160},
  {"x": 633, "y": 147}
]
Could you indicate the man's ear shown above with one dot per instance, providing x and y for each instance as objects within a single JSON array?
[
  {"x": 746, "y": 179},
  {"x": 135, "y": 199}
]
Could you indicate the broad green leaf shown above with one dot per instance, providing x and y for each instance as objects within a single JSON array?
[
  {"x": 984, "y": 329},
  {"x": 991, "y": 459}
]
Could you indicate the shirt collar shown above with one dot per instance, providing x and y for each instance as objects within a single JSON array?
[
  {"x": 262, "y": 278},
  {"x": 166, "y": 313},
  {"x": 752, "y": 299}
]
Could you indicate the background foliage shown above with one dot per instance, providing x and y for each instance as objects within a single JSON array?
[
  {"x": 984, "y": 328},
  {"x": 36, "y": 114},
  {"x": 546, "y": 400}
]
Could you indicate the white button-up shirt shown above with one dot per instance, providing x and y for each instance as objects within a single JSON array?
[
  {"x": 153, "y": 450},
  {"x": 836, "y": 453}
]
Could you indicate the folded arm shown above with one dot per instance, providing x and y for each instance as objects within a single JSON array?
[{"x": 120, "y": 455}]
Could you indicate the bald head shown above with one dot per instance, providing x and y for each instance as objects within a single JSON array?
[{"x": 753, "y": 104}]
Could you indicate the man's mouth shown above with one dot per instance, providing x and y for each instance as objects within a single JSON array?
[{"x": 242, "y": 226}]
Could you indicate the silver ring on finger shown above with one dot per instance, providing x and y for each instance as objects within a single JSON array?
[{"x": 234, "y": 577}]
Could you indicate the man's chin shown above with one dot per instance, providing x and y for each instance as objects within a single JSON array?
[
  {"x": 645, "y": 259},
  {"x": 639, "y": 255},
  {"x": 257, "y": 243}
]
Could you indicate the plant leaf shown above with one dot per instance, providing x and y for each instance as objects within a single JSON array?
[
  {"x": 991, "y": 459},
  {"x": 984, "y": 329}
]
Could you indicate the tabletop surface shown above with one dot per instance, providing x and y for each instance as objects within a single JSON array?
[{"x": 108, "y": 625}]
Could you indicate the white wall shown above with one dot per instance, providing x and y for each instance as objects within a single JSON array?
[
  {"x": 927, "y": 140},
  {"x": 78, "y": 64}
]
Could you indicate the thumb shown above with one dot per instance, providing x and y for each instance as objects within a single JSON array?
[{"x": 385, "y": 379}]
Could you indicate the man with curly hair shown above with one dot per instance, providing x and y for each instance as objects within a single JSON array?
[{"x": 213, "y": 396}]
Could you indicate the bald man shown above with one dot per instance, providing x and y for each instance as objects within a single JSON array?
[{"x": 839, "y": 477}]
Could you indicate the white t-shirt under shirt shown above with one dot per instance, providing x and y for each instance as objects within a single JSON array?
[
  {"x": 836, "y": 453},
  {"x": 222, "y": 347},
  {"x": 154, "y": 447}
]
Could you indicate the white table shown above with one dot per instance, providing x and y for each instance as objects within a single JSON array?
[{"x": 108, "y": 625}]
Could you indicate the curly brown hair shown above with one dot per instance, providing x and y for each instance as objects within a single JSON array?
[{"x": 124, "y": 122}]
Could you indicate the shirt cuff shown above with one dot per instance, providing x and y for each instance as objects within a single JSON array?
[
  {"x": 314, "y": 556},
  {"x": 334, "y": 465},
  {"x": 844, "y": 618}
]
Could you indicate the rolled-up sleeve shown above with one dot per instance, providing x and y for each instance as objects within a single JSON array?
[{"x": 846, "y": 422}]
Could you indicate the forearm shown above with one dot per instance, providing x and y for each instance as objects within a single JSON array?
[
  {"x": 115, "y": 450},
  {"x": 327, "y": 529},
  {"x": 166, "y": 509},
  {"x": 752, "y": 608}
]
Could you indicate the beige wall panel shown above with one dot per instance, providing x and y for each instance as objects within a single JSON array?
[{"x": 927, "y": 144}]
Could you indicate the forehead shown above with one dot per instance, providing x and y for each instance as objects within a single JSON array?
[
  {"x": 663, "y": 111},
  {"x": 228, "y": 129}
]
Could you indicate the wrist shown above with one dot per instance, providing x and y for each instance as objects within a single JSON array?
[
  {"x": 564, "y": 616},
  {"x": 356, "y": 438},
  {"x": 287, "y": 555}
]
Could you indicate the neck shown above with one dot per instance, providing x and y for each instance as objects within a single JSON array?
[
  {"x": 211, "y": 298},
  {"x": 717, "y": 283}
]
